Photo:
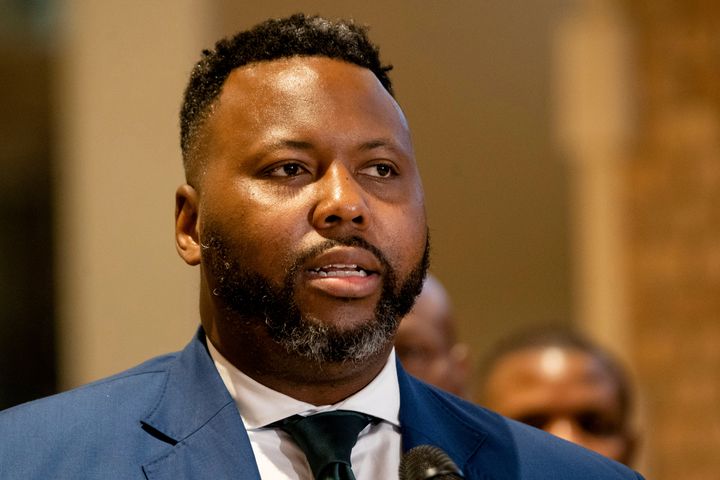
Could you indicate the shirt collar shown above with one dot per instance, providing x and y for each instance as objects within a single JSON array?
[{"x": 260, "y": 406}]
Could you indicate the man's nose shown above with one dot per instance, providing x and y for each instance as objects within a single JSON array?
[
  {"x": 341, "y": 200},
  {"x": 566, "y": 429}
]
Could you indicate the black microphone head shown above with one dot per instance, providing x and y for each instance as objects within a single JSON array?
[{"x": 426, "y": 462}]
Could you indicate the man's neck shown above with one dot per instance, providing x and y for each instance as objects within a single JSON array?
[{"x": 263, "y": 360}]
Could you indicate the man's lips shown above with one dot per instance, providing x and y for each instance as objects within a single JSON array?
[
  {"x": 340, "y": 270},
  {"x": 345, "y": 272}
]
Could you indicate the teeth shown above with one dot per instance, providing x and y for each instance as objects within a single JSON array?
[
  {"x": 340, "y": 270},
  {"x": 339, "y": 266},
  {"x": 342, "y": 273}
]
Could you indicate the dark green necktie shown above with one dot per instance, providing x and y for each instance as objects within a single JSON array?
[{"x": 327, "y": 439}]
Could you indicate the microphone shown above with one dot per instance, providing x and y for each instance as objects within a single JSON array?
[{"x": 426, "y": 462}]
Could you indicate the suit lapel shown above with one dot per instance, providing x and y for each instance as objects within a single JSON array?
[
  {"x": 426, "y": 418},
  {"x": 206, "y": 438},
  {"x": 198, "y": 419}
]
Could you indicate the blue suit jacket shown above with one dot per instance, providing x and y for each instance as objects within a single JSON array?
[{"x": 172, "y": 418}]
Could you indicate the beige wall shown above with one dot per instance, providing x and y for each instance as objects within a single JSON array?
[
  {"x": 123, "y": 292},
  {"x": 594, "y": 122}
]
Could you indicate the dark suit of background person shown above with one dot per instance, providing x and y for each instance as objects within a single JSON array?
[{"x": 304, "y": 210}]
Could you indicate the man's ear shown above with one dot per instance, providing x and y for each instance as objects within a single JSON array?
[{"x": 187, "y": 239}]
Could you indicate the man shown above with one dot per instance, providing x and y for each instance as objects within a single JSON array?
[
  {"x": 304, "y": 210},
  {"x": 426, "y": 342},
  {"x": 562, "y": 383}
]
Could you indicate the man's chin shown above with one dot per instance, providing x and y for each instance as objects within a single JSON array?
[
  {"x": 341, "y": 316},
  {"x": 334, "y": 341},
  {"x": 342, "y": 313}
]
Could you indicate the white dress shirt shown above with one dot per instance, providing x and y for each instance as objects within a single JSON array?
[{"x": 376, "y": 454}]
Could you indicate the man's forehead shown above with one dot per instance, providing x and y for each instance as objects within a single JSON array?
[
  {"x": 310, "y": 87},
  {"x": 552, "y": 364},
  {"x": 285, "y": 72},
  {"x": 297, "y": 72}
]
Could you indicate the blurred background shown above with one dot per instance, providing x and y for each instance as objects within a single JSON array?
[{"x": 570, "y": 151}]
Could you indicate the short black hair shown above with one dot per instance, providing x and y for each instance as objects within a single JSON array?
[
  {"x": 297, "y": 35},
  {"x": 566, "y": 339}
]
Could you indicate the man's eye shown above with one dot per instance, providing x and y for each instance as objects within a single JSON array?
[
  {"x": 381, "y": 170},
  {"x": 596, "y": 423},
  {"x": 287, "y": 170},
  {"x": 534, "y": 420}
]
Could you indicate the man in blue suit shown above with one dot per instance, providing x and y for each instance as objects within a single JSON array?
[{"x": 304, "y": 209}]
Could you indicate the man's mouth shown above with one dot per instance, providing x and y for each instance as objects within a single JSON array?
[
  {"x": 345, "y": 272},
  {"x": 340, "y": 270}
]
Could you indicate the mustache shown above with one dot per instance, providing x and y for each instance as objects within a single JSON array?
[{"x": 305, "y": 255}]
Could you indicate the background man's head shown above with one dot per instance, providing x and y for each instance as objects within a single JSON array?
[
  {"x": 304, "y": 205},
  {"x": 562, "y": 383},
  {"x": 426, "y": 341}
]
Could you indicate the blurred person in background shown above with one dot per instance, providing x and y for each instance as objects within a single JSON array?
[
  {"x": 426, "y": 341},
  {"x": 561, "y": 382}
]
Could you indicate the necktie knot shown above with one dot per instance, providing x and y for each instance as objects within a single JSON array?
[{"x": 327, "y": 439}]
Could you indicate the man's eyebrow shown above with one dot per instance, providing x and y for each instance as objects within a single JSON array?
[
  {"x": 289, "y": 143},
  {"x": 305, "y": 145},
  {"x": 377, "y": 143}
]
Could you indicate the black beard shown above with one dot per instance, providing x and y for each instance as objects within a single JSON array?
[{"x": 250, "y": 298}]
